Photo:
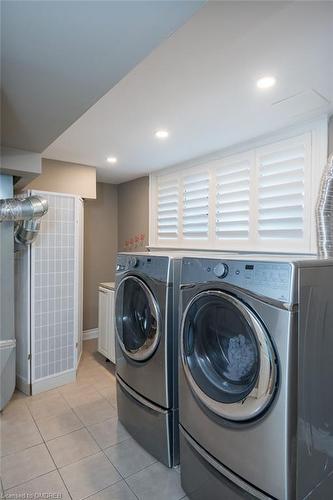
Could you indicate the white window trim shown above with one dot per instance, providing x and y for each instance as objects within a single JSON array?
[{"x": 318, "y": 136}]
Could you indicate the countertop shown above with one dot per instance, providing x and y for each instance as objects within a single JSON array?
[{"x": 110, "y": 285}]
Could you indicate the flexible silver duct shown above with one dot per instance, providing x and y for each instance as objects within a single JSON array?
[
  {"x": 324, "y": 212},
  {"x": 27, "y": 213}
]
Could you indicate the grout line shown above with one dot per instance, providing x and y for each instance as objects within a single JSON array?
[
  {"x": 140, "y": 470},
  {"x": 29, "y": 480},
  {"x": 56, "y": 467},
  {"x": 103, "y": 489},
  {"x": 78, "y": 461},
  {"x": 22, "y": 449}
]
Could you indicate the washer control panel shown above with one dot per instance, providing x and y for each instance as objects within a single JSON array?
[
  {"x": 269, "y": 279},
  {"x": 155, "y": 267}
]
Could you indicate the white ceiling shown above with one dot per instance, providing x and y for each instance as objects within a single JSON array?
[{"x": 200, "y": 85}]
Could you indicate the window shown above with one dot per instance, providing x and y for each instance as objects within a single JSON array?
[{"x": 260, "y": 200}]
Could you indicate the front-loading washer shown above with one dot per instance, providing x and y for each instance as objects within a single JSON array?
[
  {"x": 146, "y": 320},
  {"x": 254, "y": 378}
]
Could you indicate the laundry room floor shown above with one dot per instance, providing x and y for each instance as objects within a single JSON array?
[{"x": 68, "y": 443}]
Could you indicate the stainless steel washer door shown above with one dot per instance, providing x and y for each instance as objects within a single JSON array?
[
  {"x": 137, "y": 319},
  {"x": 227, "y": 356}
]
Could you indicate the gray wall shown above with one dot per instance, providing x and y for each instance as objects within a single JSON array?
[
  {"x": 133, "y": 214},
  {"x": 100, "y": 248}
]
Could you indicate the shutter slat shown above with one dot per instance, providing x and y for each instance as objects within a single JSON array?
[
  {"x": 281, "y": 194},
  {"x": 167, "y": 208},
  {"x": 275, "y": 179},
  {"x": 195, "y": 206}
]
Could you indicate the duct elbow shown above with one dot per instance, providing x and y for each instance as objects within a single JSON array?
[
  {"x": 324, "y": 212},
  {"x": 27, "y": 213}
]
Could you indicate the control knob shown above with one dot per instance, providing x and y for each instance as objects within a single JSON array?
[
  {"x": 133, "y": 262},
  {"x": 221, "y": 270}
]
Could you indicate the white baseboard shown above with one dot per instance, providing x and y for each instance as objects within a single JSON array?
[
  {"x": 52, "y": 382},
  {"x": 90, "y": 334}
]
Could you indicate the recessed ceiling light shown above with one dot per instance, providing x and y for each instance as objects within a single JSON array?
[
  {"x": 111, "y": 159},
  {"x": 161, "y": 134},
  {"x": 266, "y": 82}
]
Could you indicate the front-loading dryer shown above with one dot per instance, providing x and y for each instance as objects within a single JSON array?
[
  {"x": 249, "y": 378},
  {"x": 146, "y": 320}
]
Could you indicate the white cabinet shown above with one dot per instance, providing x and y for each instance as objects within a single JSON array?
[{"x": 106, "y": 331}]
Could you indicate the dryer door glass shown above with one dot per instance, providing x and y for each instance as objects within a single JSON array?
[
  {"x": 225, "y": 351},
  {"x": 137, "y": 319}
]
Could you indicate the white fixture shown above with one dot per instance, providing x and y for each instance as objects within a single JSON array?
[
  {"x": 49, "y": 330},
  {"x": 106, "y": 331},
  {"x": 111, "y": 159},
  {"x": 266, "y": 82},
  {"x": 162, "y": 134}
]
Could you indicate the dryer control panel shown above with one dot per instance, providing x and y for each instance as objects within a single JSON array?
[{"x": 268, "y": 279}]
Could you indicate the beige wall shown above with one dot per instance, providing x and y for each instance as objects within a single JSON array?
[
  {"x": 100, "y": 248},
  {"x": 64, "y": 177},
  {"x": 133, "y": 214}
]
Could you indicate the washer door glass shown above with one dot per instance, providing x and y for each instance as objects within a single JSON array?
[
  {"x": 227, "y": 356},
  {"x": 137, "y": 319}
]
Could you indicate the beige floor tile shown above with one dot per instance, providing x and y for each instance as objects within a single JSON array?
[
  {"x": 95, "y": 413},
  {"x": 72, "y": 447},
  {"x": 19, "y": 395},
  {"x": 49, "y": 484},
  {"x": 43, "y": 395},
  {"x": 109, "y": 433},
  {"x": 129, "y": 457},
  {"x": 48, "y": 406},
  {"x": 22, "y": 466},
  {"x": 82, "y": 395},
  {"x": 118, "y": 491},
  {"x": 88, "y": 476},
  {"x": 156, "y": 482},
  {"x": 105, "y": 382},
  {"x": 84, "y": 379},
  {"x": 16, "y": 410},
  {"x": 76, "y": 387},
  {"x": 90, "y": 346},
  {"x": 16, "y": 434},
  {"x": 109, "y": 393},
  {"x": 59, "y": 425}
]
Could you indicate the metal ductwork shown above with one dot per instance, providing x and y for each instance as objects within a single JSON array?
[
  {"x": 324, "y": 212},
  {"x": 27, "y": 213}
]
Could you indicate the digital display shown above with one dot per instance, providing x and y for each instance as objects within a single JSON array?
[{"x": 249, "y": 267}]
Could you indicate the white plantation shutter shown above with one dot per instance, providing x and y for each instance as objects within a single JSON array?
[
  {"x": 233, "y": 200},
  {"x": 281, "y": 193},
  {"x": 167, "y": 208},
  {"x": 196, "y": 206},
  {"x": 261, "y": 200}
]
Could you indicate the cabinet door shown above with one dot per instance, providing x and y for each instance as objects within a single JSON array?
[
  {"x": 103, "y": 347},
  {"x": 111, "y": 329}
]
